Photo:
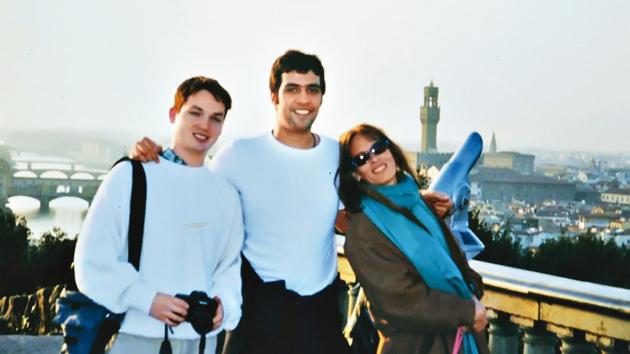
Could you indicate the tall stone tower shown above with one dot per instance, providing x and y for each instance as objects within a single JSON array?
[
  {"x": 429, "y": 118},
  {"x": 493, "y": 144}
]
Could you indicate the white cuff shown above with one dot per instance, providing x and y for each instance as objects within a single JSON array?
[{"x": 140, "y": 297}]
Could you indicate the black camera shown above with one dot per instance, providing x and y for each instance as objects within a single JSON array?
[{"x": 201, "y": 310}]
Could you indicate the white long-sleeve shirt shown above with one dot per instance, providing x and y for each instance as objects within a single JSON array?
[
  {"x": 289, "y": 203},
  {"x": 193, "y": 234}
]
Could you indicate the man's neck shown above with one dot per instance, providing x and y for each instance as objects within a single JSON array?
[
  {"x": 191, "y": 159},
  {"x": 299, "y": 140}
]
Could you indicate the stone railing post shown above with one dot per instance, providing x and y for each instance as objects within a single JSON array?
[
  {"x": 343, "y": 301},
  {"x": 573, "y": 341},
  {"x": 539, "y": 341},
  {"x": 353, "y": 292},
  {"x": 608, "y": 345},
  {"x": 576, "y": 345},
  {"x": 504, "y": 336}
]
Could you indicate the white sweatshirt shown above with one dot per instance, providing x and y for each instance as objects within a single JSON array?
[
  {"x": 289, "y": 203},
  {"x": 193, "y": 235}
]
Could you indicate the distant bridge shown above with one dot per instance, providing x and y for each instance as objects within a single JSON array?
[{"x": 48, "y": 180}]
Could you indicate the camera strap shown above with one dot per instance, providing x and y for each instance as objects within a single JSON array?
[
  {"x": 165, "y": 347},
  {"x": 202, "y": 344}
]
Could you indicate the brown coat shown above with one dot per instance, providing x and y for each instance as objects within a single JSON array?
[{"x": 410, "y": 317}]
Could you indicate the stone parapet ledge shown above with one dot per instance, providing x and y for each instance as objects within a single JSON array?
[
  {"x": 567, "y": 307},
  {"x": 23, "y": 344}
]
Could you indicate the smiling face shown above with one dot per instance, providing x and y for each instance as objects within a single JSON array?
[
  {"x": 198, "y": 125},
  {"x": 297, "y": 101},
  {"x": 380, "y": 169}
]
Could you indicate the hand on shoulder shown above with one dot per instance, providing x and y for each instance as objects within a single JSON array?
[
  {"x": 439, "y": 202},
  {"x": 146, "y": 150}
]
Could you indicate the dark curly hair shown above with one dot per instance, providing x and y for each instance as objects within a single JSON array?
[{"x": 294, "y": 60}]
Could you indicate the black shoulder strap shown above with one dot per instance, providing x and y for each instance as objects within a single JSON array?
[
  {"x": 388, "y": 203},
  {"x": 137, "y": 208}
]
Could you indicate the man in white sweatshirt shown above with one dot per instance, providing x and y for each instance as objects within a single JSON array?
[{"x": 193, "y": 234}]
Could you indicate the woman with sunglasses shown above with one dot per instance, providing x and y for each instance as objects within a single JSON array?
[{"x": 421, "y": 291}]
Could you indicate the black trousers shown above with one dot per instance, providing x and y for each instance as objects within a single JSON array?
[{"x": 280, "y": 321}]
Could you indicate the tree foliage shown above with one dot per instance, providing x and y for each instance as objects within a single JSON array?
[
  {"x": 51, "y": 259},
  {"x": 501, "y": 248},
  {"x": 26, "y": 263},
  {"x": 14, "y": 244},
  {"x": 584, "y": 257}
]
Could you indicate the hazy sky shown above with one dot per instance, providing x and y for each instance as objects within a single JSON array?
[{"x": 541, "y": 74}]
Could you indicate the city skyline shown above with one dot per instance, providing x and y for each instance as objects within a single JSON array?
[{"x": 542, "y": 76}]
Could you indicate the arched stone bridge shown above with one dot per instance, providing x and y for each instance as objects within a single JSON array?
[{"x": 45, "y": 185}]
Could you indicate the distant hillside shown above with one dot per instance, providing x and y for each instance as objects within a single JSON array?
[{"x": 94, "y": 149}]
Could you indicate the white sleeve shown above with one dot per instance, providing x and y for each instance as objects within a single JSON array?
[
  {"x": 101, "y": 268},
  {"x": 227, "y": 276},
  {"x": 223, "y": 162}
]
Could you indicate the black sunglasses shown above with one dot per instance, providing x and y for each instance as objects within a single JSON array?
[{"x": 376, "y": 149}]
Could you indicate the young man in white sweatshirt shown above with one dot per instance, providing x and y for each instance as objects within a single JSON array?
[{"x": 193, "y": 234}]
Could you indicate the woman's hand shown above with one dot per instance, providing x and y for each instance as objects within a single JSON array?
[
  {"x": 439, "y": 202},
  {"x": 480, "y": 316}
]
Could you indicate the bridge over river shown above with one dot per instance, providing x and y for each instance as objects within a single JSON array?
[{"x": 47, "y": 180}]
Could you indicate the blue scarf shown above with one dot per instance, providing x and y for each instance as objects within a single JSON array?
[{"x": 426, "y": 249}]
